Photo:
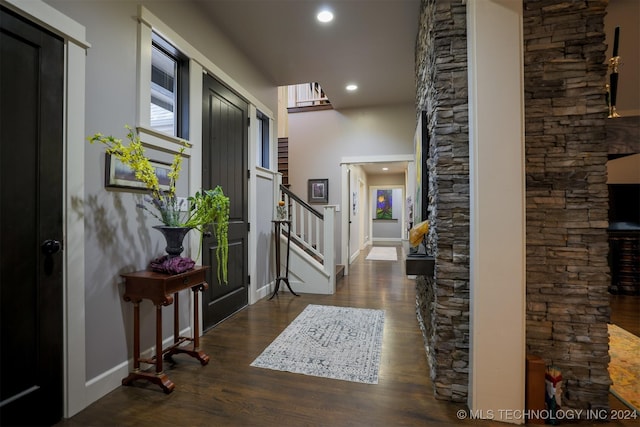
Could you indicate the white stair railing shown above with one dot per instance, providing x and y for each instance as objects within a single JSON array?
[
  {"x": 306, "y": 95},
  {"x": 312, "y": 237},
  {"x": 307, "y": 226}
]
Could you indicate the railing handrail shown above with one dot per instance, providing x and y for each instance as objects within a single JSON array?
[{"x": 291, "y": 195}]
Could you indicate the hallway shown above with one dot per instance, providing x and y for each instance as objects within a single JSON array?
[{"x": 228, "y": 392}]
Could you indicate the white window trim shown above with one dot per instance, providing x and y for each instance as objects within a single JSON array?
[
  {"x": 160, "y": 140},
  {"x": 149, "y": 136},
  {"x": 258, "y": 142},
  {"x": 151, "y": 23}
]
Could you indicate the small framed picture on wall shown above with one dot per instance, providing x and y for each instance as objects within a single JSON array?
[
  {"x": 119, "y": 175},
  {"x": 318, "y": 190}
]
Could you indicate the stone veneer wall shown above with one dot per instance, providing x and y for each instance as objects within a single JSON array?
[
  {"x": 567, "y": 196},
  {"x": 443, "y": 302}
]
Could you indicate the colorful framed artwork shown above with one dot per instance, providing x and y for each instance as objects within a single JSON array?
[{"x": 384, "y": 204}]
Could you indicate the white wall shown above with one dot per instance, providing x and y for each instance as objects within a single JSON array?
[
  {"x": 319, "y": 139},
  {"x": 358, "y": 212},
  {"x": 265, "y": 252}
]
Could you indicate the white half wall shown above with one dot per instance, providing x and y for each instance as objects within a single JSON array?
[{"x": 497, "y": 240}]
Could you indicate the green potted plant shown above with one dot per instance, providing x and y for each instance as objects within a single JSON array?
[{"x": 207, "y": 208}]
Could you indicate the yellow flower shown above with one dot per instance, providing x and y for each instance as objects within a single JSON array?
[
  {"x": 134, "y": 157},
  {"x": 207, "y": 209}
]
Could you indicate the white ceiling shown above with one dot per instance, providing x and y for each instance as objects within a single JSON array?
[
  {"x": 369, "y": 43},
  {"x": 376, "y": 168}
]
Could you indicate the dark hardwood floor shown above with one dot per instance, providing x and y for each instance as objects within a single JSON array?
[{"x": 228, "y": 392}]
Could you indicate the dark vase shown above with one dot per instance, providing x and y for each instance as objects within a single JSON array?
[{"x": 174, "y": 237}]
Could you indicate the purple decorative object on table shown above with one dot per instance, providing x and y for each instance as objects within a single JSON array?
[{"x": 172, "y": 265}]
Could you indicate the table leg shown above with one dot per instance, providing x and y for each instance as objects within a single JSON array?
[
  {"x": 277, "y": 256},
  {"x": 176, "y": 318},
  {"x": 158, "y": 339},
  {"x": 159, "y": 377},
  {"x": 280, "y": 277},
  {"x": 195, "y": 350},
  {"x": 196, "y": 320},
  {"x": 199, "y": 354},
  {"x": 162, "y": 380},
  {"x": 286, "y": 272},
  {"x": 136, "y": 336}
]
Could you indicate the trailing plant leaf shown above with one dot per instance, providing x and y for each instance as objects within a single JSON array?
[{"x": 211, "y": 208}]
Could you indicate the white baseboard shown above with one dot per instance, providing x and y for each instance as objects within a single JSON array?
[
  {"x": 387, "y": 239},
  {"x": 99, "y": 386},
  {"x": 264, "y": 291},
  {"x": 353, "y": 256}
]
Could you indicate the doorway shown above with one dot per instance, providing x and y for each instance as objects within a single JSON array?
[
  {"x": 362, "y": 215},
  {"x": 225, "y": 163},
  {"x": 370, "y": 173}
]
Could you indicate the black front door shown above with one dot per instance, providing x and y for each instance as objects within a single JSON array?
[
  {"x": 224, "y": 163},
  {"x": 31, "y": 170}
]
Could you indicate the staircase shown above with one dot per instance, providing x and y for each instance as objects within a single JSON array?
[{"x": 312, "y": 266}]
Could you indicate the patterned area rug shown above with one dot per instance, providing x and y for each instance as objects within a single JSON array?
[
  {"x": 624, "y": 367},
  {"x": 382, "y": 253},
  {"x": 342, "y": 343}
]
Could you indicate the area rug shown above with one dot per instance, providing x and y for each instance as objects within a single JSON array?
[
  {"x": 624, "y": 367},
  {"x": 342, "y": 343},
  {"x": 382, "y": 253}
]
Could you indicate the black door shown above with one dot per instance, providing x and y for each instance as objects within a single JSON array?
[
  {"x": 31, "y": 108},
  {"x": 225, "y": 145},
  {"x": 31, "y": 123}
]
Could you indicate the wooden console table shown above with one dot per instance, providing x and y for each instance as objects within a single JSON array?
[{"x": 162, "y": 289}]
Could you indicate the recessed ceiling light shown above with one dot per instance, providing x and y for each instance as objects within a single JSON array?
[
  {"x": 351, "y": 87},
  {"x": 385, "y": 169},
  {"x": 325, "y": 16}
]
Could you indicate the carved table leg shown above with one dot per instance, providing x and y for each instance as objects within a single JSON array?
[
  {"x": 176, "y": 318},
  {"x": 195, "y": 350},
  {"x": 199, "y": 354},
  {"x": 159, "y": 378},
  {"x": 136, "y": 335}
]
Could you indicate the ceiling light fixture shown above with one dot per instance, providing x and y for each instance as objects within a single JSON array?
[
  {"x": 325, "y": 16},
  {"x": 385, "y": 169},
  {"x": 351, "y": 87}
]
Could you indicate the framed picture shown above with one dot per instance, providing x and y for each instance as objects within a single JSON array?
[
  {"x": 384, "y": 204},
  {"x": 119, "y": 175},
  {"x": 318, "y": 191}
]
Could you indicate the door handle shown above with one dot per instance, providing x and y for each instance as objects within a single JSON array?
[{"x": 50, "y": 247}]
